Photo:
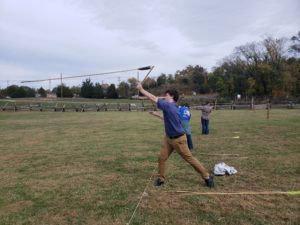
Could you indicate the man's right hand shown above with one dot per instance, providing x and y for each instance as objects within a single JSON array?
[
  {"x": 138, "y": 86},
  {"x": 152, "y": 97}
]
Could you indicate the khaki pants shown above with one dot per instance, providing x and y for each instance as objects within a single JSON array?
[{"x": 180, "y": 145}]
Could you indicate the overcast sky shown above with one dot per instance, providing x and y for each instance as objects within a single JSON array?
[{"x": 41, "y": 39}]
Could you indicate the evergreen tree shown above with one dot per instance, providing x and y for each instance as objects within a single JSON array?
[
  {"x": 42, "y": 92},
  {"x": 87, "y": 89},
  {"x": 98, "y": 91},
  {"x": 67, "y": 93},
  {"x": 112, "y": 92}
]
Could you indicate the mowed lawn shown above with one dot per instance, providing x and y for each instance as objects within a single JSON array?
[{"x": 92, "y": 168}]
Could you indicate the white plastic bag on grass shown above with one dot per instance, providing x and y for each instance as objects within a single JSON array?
[{"x": 222, "y": 169}]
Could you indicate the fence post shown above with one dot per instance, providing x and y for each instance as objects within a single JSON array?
[
  {"x": 143, "y": 106},
  {"x": 268, "y": 109}
]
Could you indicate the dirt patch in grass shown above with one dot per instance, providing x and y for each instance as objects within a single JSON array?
[
  {"x": 15, "y": 207},
  {"x": 65, "y": 170},
  {"x": 108, "y": 158},
  {"x": 8, "y": 179},
  {"x": 43, "y": 185},
  {"x": 139, "y": 165}
]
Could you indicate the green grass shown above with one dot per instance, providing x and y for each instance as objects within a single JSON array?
[{"x": 91, "y": 168}]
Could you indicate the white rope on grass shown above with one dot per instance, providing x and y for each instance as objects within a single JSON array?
[
  {"x": 142, "y": 195},
  {"x": 234, "y": 137},
  {"x": 219, "y": 154}
]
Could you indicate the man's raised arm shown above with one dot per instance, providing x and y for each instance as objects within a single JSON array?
[{"x": 152, "y": 97}]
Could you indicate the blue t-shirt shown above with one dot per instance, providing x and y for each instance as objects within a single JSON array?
[
  {"x": 171, "y": 118},
  {"x": 185, "y": 117},
  {"x": 184, "y": 113}
]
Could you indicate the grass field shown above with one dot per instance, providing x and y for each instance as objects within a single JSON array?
[{"x": 91, "y": 168}]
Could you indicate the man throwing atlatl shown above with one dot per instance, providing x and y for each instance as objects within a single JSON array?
[{"x": 175, "y": 138}]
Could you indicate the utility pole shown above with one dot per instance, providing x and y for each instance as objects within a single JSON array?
[
  {"x": 268, "y": 108},
  {"x": 138, "y": 92},
  {"x": 61, "y": 86},
  {"x": 49, "y": 86}
]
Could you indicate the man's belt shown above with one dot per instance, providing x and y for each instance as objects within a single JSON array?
[{"x": 174, "y": 137}]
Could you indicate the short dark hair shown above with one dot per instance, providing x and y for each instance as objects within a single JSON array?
[{"x": 173, "y": 93}]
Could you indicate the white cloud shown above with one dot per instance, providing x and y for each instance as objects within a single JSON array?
[{"x": 39, "y": 38}]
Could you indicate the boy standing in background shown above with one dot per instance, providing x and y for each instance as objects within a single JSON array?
[{"x": 185, "y": 117}]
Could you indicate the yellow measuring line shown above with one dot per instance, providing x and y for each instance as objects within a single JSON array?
[
  {"x": 294, "y": 192},
  {"x": 239, "y": 193}
]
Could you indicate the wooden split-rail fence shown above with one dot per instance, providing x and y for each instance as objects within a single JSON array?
[
  {"x": 75, "y": 107},
  {"x": 142, "y": 106}
]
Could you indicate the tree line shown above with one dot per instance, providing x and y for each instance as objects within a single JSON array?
[{"x": 267, "y": 69}]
